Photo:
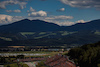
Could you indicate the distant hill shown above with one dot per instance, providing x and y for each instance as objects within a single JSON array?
[
  {"x": 92, "y": 26},
  {"x": 29, "y": 26},
  {"x": 40, "y": 26},
  {"x": 38, "y": 32}
]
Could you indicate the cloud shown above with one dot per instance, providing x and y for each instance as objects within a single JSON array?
[
  {"x": 61, "y": 10},
  {"x": 61, "y": 17},
  {"x": 65, "y": 23},
  {"x": 31, "y": 10},
  {"x": 82, "y": 3},
  {"x": 61, "y": 23},
  {"x": 21, "y": 3},
  {"x": 38, "y": 14},
  {"x": 81, "y": 21},
  {"x": 6, "y": 19},
  {"x": 16, "y": 11},
  {"x": 61, "y": 20},
  {"x": 17, "y": 18}
]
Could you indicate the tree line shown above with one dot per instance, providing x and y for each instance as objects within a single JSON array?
[{"x": 87, "y": 55}]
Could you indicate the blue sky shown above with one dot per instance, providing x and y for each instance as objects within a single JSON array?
[{"x": 61, "y": 12}]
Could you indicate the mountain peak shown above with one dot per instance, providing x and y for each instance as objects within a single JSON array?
[
  {"x": 25, "y": 20},
  {"x": 37, "y": 20},
  {"x": 27, "y": 25}
]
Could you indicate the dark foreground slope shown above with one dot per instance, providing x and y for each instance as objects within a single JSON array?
[{"x": 87, "y": 55}]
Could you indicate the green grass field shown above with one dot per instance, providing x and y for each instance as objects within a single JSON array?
[
  {"x": 6, "y": 39},
  {"x": 97, "y": 32}
]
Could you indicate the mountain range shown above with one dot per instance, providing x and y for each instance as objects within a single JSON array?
[
  {"x": 29, "y": 26},
  {"x": 39, "y": 25},
  {"x": 37, "y": 32}
]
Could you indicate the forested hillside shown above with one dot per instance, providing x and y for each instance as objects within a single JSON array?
[{"x": 87, "y": 55}]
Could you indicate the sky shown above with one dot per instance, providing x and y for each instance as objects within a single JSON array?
[{"x": 61, "y": 12}]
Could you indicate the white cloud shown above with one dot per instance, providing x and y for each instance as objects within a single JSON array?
[
  {"x": 61, "y": 20},
  {"x": 61, "y": 17},
  {"x": 6, "y": 19},
  {"x": 65, "y": 23},
  {"x": 22, "y": 5},
  {"x": 82, "y": 3},
  {"x": 17, "y": 11},
  {"x": 38, "y": 14},
  {"x": 3, "y": 4},
  {"x": 81, "y": 21},
  {"x": 31, "y": 10},
  {"x": 61, "y": 23},
  {"x": 17, "y": 18},
  {"x": 61, "y": 10}
]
